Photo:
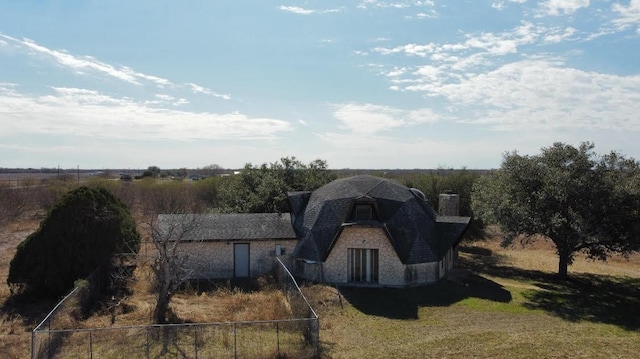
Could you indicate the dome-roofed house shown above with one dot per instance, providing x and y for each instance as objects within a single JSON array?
[
  {"x": 371, "y": 230},
  {"x": 360, "y": 230}
]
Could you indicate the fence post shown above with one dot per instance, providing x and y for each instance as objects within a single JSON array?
[
  {"x": 315, "y": 336},
  {"x": 147, "y": 346},
  {"x": 195, "y": 340},
  {"x": 90, "y": 345},
  {"x": 49, "y": 341},
  {"x": 278, "y": 337},
  {"x": 33, "y": 344},
  {"x": 235, "y": 348}
]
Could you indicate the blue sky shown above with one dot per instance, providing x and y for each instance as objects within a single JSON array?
[{"x": 361, "y": 84}]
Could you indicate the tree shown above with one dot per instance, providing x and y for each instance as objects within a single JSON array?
[
  {"x": 212, "y": 170},
  {"x": 170, "y": 266},
  {"x": 206, "y": 191},
  {"x": 165, "y": 206},
  {"x": 458, "y": 181},
  {"x": 151, "y": 171},
  {"x": 82, "y": 231},
  {"x": 264, "y": 189},
  {"x": 579, "y": 200}
]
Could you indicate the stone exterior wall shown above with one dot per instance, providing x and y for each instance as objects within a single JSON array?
[
  {"x": 422, "y": 273},
  {"x": 391, "y": 270},
  {"x": 214, "y": 260}
]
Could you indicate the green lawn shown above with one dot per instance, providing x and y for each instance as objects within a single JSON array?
[{"x": 498, "y": 311}]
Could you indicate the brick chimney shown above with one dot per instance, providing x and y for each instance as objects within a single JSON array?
[{"x": 449, "y": 204}]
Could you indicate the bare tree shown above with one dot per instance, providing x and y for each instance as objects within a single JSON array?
[
  {"x": 171, "y": 265},
  {"x": 13, "y": 202},
  {"x": 167, "y": 207}
]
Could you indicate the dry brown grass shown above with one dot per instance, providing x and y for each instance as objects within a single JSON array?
[
  {"x": 540, "y": 255},
  {"x": 222, "y": 303}
]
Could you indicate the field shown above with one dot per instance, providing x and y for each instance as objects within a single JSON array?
[
  {"x": 502, "y": 303},
  {"x": 506, "y": 303}
]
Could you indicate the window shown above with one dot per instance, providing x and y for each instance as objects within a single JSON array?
[
  {"x": 363, "y": 212},
  {"x": 362, "y": 265},
  {"x": 411, "y": 274}
]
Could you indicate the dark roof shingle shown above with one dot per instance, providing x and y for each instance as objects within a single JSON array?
[
  {"x": 234, "y": 226},
  {"x": 418, "y": 234}
]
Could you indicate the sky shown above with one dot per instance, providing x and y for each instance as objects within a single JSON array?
[{"x": 360, "y": 84}]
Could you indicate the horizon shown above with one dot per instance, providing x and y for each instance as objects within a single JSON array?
[{"x": 368, "y": 84}]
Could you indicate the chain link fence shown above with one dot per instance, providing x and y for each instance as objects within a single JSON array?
[{"x": 57, "y": 335}]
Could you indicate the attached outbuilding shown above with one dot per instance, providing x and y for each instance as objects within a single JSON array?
[{"x": 221, "y": 246}]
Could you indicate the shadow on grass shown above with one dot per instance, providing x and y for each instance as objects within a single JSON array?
[
  {"x": 579, "y": 297},
  {"x": 403, "y": 303},
  {"x": 590, "y": 297},
  {"x": 30, "y": 309}
]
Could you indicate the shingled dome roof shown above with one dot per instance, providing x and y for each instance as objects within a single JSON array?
[{"x": 416, "y": 232}]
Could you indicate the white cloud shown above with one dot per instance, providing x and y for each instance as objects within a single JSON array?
[
  {"x": 369, "y": 118},
  {"x": 427, "y": 15},
  {"x": 79, "y": 64},
  {"x": 164, "y": 98},
  {"x": 297, "y": 10},
  {"x": 628, "y": 15},
  {"x": 428, "y": 72},
  {"x": 540, "y": 94},
  {"x": 397, "y": 71},
  {"x": 205, "y": 91},
  {"x": 82, "y": 112},
  {"x": 83, "y": 65},
  {"x": 302, "y": 11},
  {"x": 559, "y": 35},
  {"x": 398, "y": 4},
  {"x": 408, "y": 49},
  {"x": 500, "y": 4},
  {"x": 450, "y": 63},
  {"x": 486, "y": 43},
  {"x": 561, "y": 7}
]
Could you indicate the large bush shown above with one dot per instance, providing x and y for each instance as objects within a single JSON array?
[{"x": 81, "y": 232}]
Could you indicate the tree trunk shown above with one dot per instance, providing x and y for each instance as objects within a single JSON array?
[
  {"x": 563, "y": 263},
  {"x": 162, "y": 305},
  {"x": 160, "y": 312}
]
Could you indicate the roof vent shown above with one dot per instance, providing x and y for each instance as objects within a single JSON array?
[{"x": 418, "y": 193}]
